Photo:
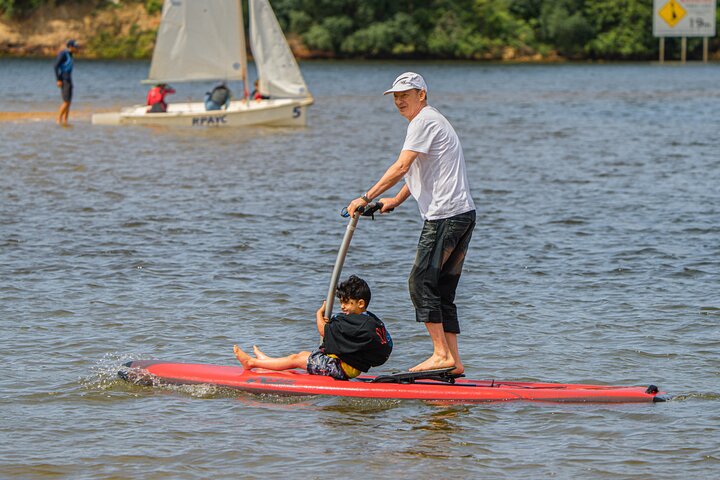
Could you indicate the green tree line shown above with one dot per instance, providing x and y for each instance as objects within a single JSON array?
[
  {"x": 458, "y": 29},
  {"x": 474, "y": 29}
]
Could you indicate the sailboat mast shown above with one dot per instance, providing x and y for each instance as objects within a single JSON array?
[{"x": 243, "y": 52}]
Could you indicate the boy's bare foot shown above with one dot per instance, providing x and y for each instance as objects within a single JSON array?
[
  {"x": 260, "y": 355},
  {"x": 434, "y": 363},
  {"x": 243, "y": 357}
]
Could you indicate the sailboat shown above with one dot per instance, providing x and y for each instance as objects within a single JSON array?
[{"x": 204, "y": 40}]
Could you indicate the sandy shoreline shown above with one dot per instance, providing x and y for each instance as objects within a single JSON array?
[{"x": 43, "y": 116}]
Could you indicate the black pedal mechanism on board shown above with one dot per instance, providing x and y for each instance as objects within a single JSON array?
[{"x": 439, "y": 375}]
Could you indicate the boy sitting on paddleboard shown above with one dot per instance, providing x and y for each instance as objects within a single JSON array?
[{"x": 352, "y": 341}]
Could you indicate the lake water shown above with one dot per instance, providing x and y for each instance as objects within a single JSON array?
[{"x": 596, "y": 259}]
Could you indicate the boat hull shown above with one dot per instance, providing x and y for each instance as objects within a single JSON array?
[
  {"x": 280, "y": 112},
  {"x": 296, "y": 382}
]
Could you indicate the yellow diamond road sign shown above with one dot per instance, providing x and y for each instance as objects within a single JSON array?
[
  {"x": 672, "y": 12},
  {"x": 682, "y": 18}
]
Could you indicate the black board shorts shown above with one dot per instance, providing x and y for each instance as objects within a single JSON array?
[
  {"x": 437, "y": 268},
  {"x": 67, "y": 90}
]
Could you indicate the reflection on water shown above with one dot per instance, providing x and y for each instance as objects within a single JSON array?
[{"x": 595, "y": 260}]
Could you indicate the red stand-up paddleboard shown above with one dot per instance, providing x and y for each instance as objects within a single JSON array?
[
  {"x": 296, "y": 382},
  {"x": 437, "y": 385}
]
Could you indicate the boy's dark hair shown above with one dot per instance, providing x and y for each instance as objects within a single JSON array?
[{"x": 354, "y": 288}]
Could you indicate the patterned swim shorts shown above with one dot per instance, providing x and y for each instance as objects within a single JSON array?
[{"x": 321, "y": 364}]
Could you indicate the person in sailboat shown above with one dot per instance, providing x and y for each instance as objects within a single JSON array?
[
  {"x": 256, "y": 95},
  {"x": 156, "y": 98},
  {"x": 219, "y": 98},
  {"x": 63, "y": 75},
  {"x": 433, "y": 166}
]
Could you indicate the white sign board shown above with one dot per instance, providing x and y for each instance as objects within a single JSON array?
[{"x": 684, "y": 18}]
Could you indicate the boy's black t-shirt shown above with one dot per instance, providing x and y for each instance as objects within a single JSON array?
[{"x": 360, "y": 340}]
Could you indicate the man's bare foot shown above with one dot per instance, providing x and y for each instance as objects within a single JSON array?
[
  {"x": 243, "y": 358},
  {"x": 260, "y": 355},
  {"x": 435, "y": 362}
]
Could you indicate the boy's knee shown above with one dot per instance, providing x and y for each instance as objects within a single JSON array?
[{"x": 299, "y": 356}]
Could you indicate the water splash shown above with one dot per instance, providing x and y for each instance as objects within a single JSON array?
[{"x": 104, "y": 373}]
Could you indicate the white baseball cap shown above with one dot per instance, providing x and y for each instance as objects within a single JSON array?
[{"x": 407, "y": 81}]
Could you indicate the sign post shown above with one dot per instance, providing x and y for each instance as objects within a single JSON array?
[{"x": 684, "y": 18}]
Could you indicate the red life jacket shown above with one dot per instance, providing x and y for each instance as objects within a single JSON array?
[{"x": 156, "y": 95}]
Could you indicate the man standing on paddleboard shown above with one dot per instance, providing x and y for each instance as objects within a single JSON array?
[{"x": 433, "y": 166}]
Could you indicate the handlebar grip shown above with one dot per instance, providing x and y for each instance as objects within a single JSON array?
[{"x": 366, "y": 211}]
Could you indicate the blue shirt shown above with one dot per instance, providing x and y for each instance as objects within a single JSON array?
[{"x": 64, "y": 65}]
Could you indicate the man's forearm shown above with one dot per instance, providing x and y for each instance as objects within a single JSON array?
[
  {"x": 393, "y": 174},
  {"x": 402, "y": 195}
]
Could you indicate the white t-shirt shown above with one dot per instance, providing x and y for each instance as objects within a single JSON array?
[{"x": 437, "y": 178}]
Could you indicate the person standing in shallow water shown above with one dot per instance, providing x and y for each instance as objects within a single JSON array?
[
  {"x": 63, "y": 75},
  {"x": 433, "y": 166}
]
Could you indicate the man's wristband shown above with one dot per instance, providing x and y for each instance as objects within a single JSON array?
[{"x": 364, "y": 198}]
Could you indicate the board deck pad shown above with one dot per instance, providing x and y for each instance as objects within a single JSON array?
[{"x": 439, "y": 375}]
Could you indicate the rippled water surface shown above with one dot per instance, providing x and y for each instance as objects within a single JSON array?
[{"x": 595, "y": 259}]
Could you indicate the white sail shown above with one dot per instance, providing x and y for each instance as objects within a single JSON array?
[
  {"x": 199, "y": 40},
  {"x": 278, "y": 72},
  {"x": 204, "y": 40}
]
